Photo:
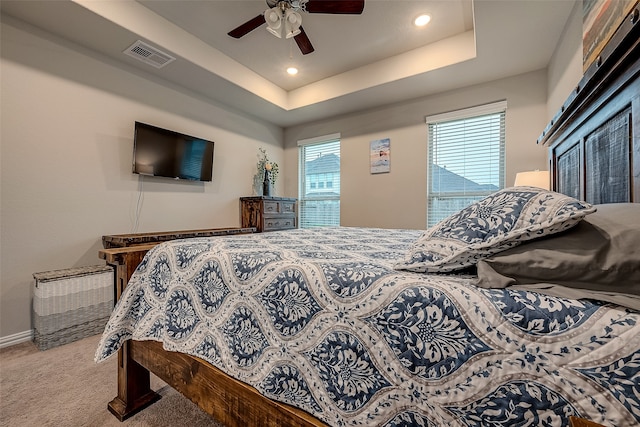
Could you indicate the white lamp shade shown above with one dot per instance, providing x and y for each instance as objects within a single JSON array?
[{"x": 536, "y": 178}]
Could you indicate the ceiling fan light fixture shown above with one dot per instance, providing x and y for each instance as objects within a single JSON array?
[
  {"x": 273, "y": 18},
  {"x": 292, "y": 23},
  {"x": 422, "y": 20}
]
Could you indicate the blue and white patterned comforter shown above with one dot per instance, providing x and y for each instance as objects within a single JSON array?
[{"x": 320, "y": 319}]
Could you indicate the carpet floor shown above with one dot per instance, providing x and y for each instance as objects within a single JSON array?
[{"x": 63, "y": 387}]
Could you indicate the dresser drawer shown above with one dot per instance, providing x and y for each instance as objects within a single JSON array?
[
  {"x": 279, "y": 222},
  {"x": 278, "y": 207},
  {"x": 288, "y": 207}
]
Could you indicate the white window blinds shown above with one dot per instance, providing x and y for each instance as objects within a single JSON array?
[
  {"x": 466, "y": 151},
  {"x": 319, "y": 186}
]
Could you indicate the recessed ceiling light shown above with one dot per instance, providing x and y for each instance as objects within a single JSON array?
[
  {"x": 292, "y": 71},
  {"x": 422, "y": 20}
]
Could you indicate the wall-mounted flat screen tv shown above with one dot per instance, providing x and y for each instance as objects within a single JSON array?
[{"x": 162, "y": 152}]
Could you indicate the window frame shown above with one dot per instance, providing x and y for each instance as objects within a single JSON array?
[
  {"x": 321, "y": 183},
  {"x": 499, "y": 108}
]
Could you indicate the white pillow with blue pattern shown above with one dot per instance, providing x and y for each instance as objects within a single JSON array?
[{"x": 500, "y": 221}]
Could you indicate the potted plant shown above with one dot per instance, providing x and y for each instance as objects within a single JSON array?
[{"x": 266, "y": 174}]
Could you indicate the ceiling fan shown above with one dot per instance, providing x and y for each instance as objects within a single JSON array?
[{"x": 283, "y": 18}]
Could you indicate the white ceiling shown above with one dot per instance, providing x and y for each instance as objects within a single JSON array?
[{"x": 360, "y": 61}]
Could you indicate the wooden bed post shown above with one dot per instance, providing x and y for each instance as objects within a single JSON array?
[
  {"x": 134, "y": 384},
  {"x": 134, "y": 387}
]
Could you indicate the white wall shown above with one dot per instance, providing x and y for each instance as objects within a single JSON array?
[
  {"x": 398, "y": 199},
  {"x": 565, "y": 69},
  {"x": 66, "y": 149}
]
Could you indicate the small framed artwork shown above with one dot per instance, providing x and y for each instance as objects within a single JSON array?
[{"x": 379, "y": 155}]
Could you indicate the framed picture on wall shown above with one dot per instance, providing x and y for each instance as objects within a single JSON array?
[
  {"x": 600, "y": 20},
  {"x": 379, "y": 155}
]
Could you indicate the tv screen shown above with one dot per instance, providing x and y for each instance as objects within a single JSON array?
[{"x": 162, "y": 152}]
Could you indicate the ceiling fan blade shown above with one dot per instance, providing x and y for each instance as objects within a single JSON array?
[
  {"x": 247, "y": 27},
  {"x": 349, "y": 7},
  {"x": 303, "y": 42}
]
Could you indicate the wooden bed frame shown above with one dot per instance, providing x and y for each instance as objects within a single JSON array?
[{"x": 609, "y": 88}]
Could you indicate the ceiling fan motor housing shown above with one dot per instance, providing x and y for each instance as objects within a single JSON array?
[{"x": 296, "y": 5}]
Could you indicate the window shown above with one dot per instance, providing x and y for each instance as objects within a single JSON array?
[
  {"x": 466, "y": 158},
  {"x": 319, "y": 162}
]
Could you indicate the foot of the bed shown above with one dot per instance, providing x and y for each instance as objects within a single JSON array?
[
  {"x": 134, "y": 386},
  {"x": 122, "y": 410}
]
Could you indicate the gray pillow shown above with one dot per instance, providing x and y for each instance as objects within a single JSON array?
[{"x": 600, "y": 256}]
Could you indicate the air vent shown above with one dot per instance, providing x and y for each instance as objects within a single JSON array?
[{"x": 152, "y": 56}]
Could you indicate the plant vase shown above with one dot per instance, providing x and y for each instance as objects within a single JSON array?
[{"x": 266, "y": 184}]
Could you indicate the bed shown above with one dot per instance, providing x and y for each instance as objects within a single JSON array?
[{"x": 372, "y": 327}]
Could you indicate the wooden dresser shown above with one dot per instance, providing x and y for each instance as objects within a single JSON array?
[{"x": 267, "y": 213}]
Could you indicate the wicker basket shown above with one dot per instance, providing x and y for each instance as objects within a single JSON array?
[{"x": 71, "y": 304}]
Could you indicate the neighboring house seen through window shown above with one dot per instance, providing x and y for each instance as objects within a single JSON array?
[
  {"x": 319, "y": 186},
  {"x": 466, "y": 158}
]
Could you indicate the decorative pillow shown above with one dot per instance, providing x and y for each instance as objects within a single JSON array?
[
  {"x": 500, "y": 221},
  {"x": 600, "y": 258}
]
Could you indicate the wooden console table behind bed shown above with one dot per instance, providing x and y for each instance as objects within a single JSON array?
[{"x": 135, "y": 239}]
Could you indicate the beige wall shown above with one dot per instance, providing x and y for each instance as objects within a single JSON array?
[
  {"x": 67, "y": 138},
  {"x": 565, "y": 69},
  {"x": 398, "y": 199}
]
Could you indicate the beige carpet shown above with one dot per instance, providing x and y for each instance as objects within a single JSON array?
[{"x": 63, "y": 387}]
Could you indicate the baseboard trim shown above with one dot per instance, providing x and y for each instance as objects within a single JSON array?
[{"x": 14, "y": 339}]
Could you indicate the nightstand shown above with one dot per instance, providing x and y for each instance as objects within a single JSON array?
[{"x": 267, "y": 213}]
